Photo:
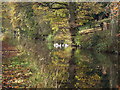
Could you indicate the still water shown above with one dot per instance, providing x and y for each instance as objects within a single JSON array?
[{"x": 39, "y": 65}]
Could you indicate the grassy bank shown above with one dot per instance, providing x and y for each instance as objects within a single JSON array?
[{"x": 98, "y": 40}]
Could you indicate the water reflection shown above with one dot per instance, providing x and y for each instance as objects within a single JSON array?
[{"x": 67, "y": 67}]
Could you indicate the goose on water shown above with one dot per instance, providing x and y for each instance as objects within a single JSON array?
[{"x": 60, "y": 45}]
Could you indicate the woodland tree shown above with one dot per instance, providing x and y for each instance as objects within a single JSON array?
[{"x": 70, "y": 15}]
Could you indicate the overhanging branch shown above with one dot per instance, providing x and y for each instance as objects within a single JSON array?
[{"x": 50, "y": 5}]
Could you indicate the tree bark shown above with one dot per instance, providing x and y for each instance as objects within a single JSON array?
[
  {"x": 114, "y": 20},
  {"x": 72, "y": 19}
]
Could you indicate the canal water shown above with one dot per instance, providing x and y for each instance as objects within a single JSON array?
[{"x": 38, "y": 64}]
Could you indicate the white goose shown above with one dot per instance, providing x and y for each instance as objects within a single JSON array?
[{"x": 56, "y": 45}]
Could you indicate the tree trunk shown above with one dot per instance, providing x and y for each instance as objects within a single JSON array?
[
  {"x": 115, "y": 26},
  {"x": 72, "y": 19},
  {"x": 114, "y": 20}
]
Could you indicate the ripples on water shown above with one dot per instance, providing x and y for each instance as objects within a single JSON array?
[{"x": 39, "y": 67}]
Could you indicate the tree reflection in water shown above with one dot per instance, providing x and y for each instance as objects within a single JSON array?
[{"x": 68, "y": 67}]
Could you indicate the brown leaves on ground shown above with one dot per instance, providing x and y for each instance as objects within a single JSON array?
[
  {"x": 15, "y": 77},
  {"x": 8, "y": 50}
]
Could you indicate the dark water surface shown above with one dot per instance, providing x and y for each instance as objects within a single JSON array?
[{"x": 39, "y": 65}]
